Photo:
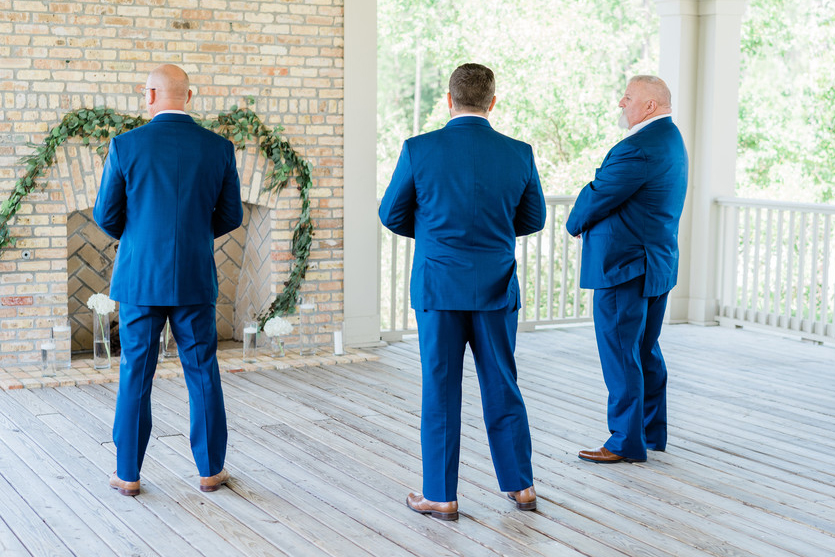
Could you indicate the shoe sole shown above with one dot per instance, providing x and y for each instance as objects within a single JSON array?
[
  {"x": 610, "y": 461},
  {"x": 529, "y": 506},
  {"x": 434, "y": 514}
]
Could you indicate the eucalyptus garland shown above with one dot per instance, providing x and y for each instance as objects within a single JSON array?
[{"x": 239, "y": 125}]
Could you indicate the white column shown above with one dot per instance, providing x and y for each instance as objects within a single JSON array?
[
  {"x": 361, "y": 260},
  {"x": 700, "y": 51},
  {"x": 678, "y": 66}
]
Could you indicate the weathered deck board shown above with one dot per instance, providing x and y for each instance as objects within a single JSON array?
[{"x": 322, "y": 458}]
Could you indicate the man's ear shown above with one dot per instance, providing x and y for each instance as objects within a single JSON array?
[
  {"x": 188, "y": 98},
  {"x": 449, "y": 100},
  {"x": 492, "y": 104}
]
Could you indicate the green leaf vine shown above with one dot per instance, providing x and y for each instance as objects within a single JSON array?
[{"x": 239, "y": 125}]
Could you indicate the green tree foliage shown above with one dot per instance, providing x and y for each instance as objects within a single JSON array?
[
  {"x": 561, "y": 67},
  {"x": 787, "y": 101}
]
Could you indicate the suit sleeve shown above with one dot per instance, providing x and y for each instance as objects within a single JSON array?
[
  {"x": 229, "y": 213},
  {"x": 531, "y": 212},
  {"x": 623, "y": 172},
  {"x": 109, "y": 210},
  {"x": 397, "y": 209}
]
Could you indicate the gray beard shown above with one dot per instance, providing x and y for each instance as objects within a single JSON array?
[{"x": 623, "y": 123}]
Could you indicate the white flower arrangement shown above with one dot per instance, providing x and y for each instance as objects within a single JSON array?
[
  {"x": 101, "y": 304},
  {"x": 277, "y": 326}
]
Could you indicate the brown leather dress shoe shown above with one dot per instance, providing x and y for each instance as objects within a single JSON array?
[
  {"x": 443, "y": 511},
  {"x": 525, "y": 499},
  {"x": 213, "y": 483},
  {"x": 130, "y": 489},
  {"x": 603, "y": 456}
]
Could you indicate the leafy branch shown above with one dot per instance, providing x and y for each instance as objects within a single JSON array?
[
  {"x": 239, "y": 125},
  {"x": 88, "y": 124}
]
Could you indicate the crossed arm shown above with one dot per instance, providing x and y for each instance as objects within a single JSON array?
[{"x": 623, "y": 172}]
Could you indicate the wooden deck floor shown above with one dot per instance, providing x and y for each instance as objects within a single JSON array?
[{"x": 322, "y": 458}]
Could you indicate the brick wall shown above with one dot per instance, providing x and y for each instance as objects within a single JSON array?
[{"x": 61, "y": 56}]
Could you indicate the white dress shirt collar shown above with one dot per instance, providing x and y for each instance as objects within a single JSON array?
[
  {"x": 638, "y": 127},
  {"x": 170, "y": 112},
  {"x": 468, "y": 114}
]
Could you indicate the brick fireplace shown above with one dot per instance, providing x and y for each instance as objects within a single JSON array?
[
  {"x": 285, "y": 60},
  {"x": 65, "y": 258}
]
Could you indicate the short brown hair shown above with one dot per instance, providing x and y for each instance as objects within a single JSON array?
[{"x": 472, "y": 86}]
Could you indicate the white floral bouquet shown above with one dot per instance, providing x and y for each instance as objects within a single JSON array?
[
  {"x": 277, "y": 326},
  {"x": 101, "y": 304}
]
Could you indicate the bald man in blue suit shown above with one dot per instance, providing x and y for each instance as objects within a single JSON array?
[
  {"x": 628, "y": 218},
  {"x": 464, "y": 193},
  {"x": 168, "y": 189}
]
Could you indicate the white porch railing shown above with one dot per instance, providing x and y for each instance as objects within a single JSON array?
[
  {"x": 775, "y": 269},
  {"x": 548, "y": 270},
  {"x": 775, "y": 266}
]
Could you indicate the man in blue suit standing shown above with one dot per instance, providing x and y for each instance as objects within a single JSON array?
[
  {"x": 464, "y": 193},
  {"x": 628, "y": 218},
  {"x": 168, "y": 189}
]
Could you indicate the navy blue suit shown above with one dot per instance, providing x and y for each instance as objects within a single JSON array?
[
  {"x": 168, "y": 189},
  {"x": 464, "y": 193},
  {"x": 628, "y": 217}
]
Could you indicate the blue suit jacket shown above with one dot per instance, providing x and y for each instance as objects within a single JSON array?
[
  {"x": 629, "y": 214},
  {"x": 168, "y": 189},
  {"x": 464, "y": 193}
]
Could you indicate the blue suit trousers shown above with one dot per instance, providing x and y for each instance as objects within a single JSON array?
[
  {"x": 443, "y": 337},
  {"x": 195, "y": 330},
  {"x": 627, "y": 326}
]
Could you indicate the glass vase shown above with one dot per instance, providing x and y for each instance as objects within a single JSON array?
[
  {"x": 307, "y": 327},
  {"x": 276, "y": 347},
  {"x": 250, "y": 346},
  {"x": 48, "y": 359},
  {"x": 169, "y": 345},
  {"x": 101, "y": 340},
  {"x": 62, "y": 337}
]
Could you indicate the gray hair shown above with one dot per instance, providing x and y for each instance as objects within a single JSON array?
[{"x": 657, "y": 88}]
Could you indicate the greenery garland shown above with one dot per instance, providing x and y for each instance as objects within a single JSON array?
[{"x": 239, "y": 125}]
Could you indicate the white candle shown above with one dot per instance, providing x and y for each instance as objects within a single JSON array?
[
  {"x": 337, "y": 343},
  {"x": 250, "y": 330}
]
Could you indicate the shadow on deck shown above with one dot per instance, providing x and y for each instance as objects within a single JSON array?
[{"x": 323, "y": 456}]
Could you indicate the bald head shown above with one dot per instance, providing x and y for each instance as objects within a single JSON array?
[
  {"x": 167, "y": 88},
  {"x": 646, "y": 97}
]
